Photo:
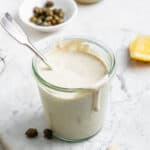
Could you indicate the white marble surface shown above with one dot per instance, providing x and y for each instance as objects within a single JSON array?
[{"x": 128, "y": 122}]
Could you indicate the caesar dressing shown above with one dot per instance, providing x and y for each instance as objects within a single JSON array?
[{"x": 74, "y": 115}]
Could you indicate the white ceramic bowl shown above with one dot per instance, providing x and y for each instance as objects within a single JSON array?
[{"x": 26, "y": 11}]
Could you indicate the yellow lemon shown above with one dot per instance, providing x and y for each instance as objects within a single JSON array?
[{"x": 140, "y": 48}]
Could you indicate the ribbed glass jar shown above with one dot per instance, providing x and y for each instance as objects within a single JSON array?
[{"x": 69, "y": 111}]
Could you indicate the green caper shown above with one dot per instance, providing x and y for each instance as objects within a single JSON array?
[
  {"x": 42, "y": 10},
  {"x": 36, "y": 15},
  {"x": 33, "y": 19},
  {"x": 60, "y": 10},
  {"x": 45, "y": 24},
  {"x": 39, "y": 21},
  {"x": 49, "y": 12},
  {"x": 61, "y": 20},
  {"x": 57, "y": 22},
  {"x": 54, "y": 22},
  {"x": 42, "y": 17},
  {"x": 45, "y": 10},
  {"x": 49, "y": 4},
  {"x": 49, "y": 23},
  {"x": 37, "y": 11},
  {"x": 56, "y": 17},
  {"x": 55, "y": 11},
  {"x": 61, "y": 14},
  {"x": 48, "y": 18}
]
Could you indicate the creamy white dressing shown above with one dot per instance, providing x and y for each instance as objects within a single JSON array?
[{"x": 73, "y": 69}]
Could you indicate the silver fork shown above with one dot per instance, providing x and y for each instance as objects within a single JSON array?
[{"x": 17, "y": 33}]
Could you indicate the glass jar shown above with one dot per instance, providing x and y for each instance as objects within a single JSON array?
[
  {"x": 87, "y": 1},
  {"x": 75, "y": 114}
]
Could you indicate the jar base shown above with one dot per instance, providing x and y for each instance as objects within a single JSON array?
[{"x": 76, "y": 140}]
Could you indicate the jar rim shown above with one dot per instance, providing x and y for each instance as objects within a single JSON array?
[{"x": 64, "y": 89}]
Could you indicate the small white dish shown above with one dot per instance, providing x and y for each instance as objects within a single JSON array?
[{"x": 26, "y": 11}]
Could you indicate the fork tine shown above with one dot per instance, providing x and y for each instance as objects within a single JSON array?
[
  {"x": 4, "y": 23},
  {"x": 14, "y": 25},
  {"x": 8, "y": 16},
  {"x": 10, "y": 25}
]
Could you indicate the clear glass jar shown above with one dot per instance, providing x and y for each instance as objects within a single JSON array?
[
  {"x": 71, "y": 112},
  {"x": 87, "y": 1}
]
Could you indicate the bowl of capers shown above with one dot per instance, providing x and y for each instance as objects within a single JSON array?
[{"x": 47, "y": 15}]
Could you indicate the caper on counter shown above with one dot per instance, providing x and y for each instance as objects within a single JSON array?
[
  {"x": 48, "y": 134},
  {"x": 31, "y": 133},
  {"x": 47, "y": 16}
]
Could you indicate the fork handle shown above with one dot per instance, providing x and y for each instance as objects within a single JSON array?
[{"x": 33, "y": 48}]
